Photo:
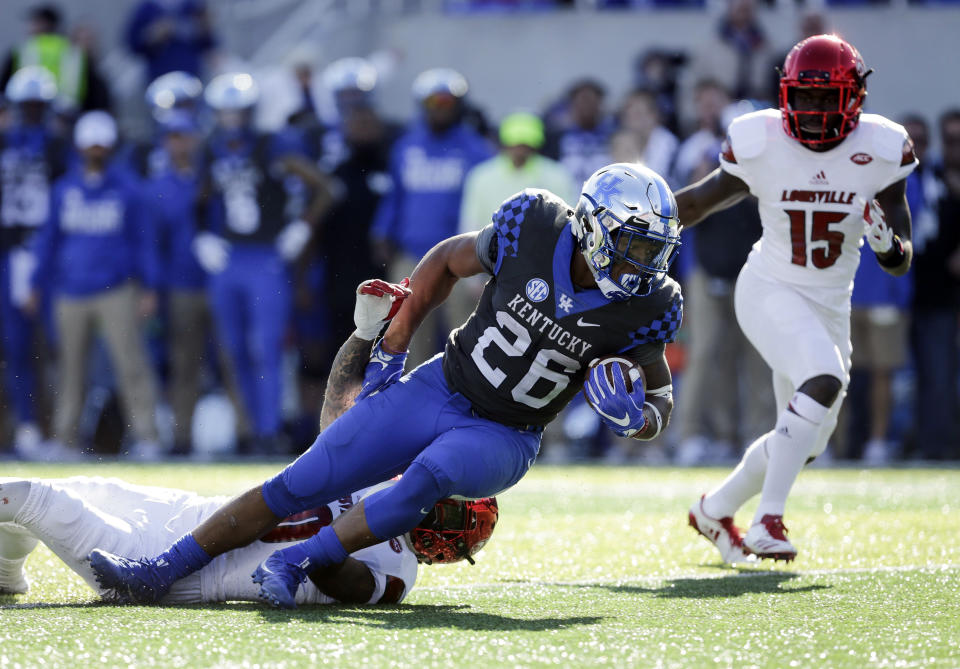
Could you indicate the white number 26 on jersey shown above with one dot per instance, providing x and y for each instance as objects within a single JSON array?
[{"x": 538, "y": 367}]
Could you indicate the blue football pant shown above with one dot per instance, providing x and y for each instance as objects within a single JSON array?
[
  {"x": 251, "y": 303},
  {"x": 416, "y": 420},
  {"x": 19, "y": 335}
]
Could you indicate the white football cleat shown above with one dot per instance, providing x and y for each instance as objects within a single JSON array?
[
  {"x": 768, "y": 539},
  {"x": 721, "y": 532}
]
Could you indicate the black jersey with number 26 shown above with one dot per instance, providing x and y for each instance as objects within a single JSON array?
[{"x": 523, "y": 353}]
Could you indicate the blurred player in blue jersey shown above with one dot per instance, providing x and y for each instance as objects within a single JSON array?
[
  {"x": 174, "y": 94},
  {"x": 170, "y": 198},
  {"x": 569, "y": 285},
  {"x": 32, "y": 156},
  {"x": 251, "y": 220}
]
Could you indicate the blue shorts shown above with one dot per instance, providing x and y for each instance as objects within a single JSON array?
[{"x": 418, "y": 419}]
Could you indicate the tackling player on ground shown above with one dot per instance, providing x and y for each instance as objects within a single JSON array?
[
  {"x": 824, "y": 174},
  {"x": 568, "y": 285},
  {"x": 72, "y": 516}
]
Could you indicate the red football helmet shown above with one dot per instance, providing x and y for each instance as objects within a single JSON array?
[
  {"x": 822, "y": 63},
  {"x": 454, "y": 530}
]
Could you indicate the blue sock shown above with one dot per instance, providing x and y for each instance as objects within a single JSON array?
[
  {"x": 182, "y": 559},
  {"x": 392, "y": 511},
  {"x": 320, "y": 550}
]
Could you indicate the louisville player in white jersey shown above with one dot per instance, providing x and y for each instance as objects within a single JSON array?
[
  {"x": 825, "y": 175},
  {"x": 72, "y": 516}
]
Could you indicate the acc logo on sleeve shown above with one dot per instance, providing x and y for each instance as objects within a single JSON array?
[
  {"x": 537, "y": 290},
  {"x": 861, "y": 158}
]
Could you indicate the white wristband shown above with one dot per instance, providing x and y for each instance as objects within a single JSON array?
[{"x": 657, "y": 417}]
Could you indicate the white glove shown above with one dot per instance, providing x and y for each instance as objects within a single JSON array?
[
  {"x": 292, "y": 239},
  {"x": 377, "y": 302},
  {"x": 879, "y": 234},
  {"x": 212, "y": 251}
]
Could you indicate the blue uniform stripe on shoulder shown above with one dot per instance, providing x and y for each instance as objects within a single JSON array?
[
  {"x": 662, "y": 329},
  {"x": 507, "y": 220}
]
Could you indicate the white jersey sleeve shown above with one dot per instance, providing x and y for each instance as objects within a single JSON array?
[
  {"x": 893, "y": 146},
  {"x": 394, "y": 569},
  {"x": 746, "y": 139}
]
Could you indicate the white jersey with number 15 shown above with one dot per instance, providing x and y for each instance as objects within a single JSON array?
[{"x": 811, "y": 204}]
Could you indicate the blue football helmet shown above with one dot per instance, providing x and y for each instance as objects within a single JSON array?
[
  {"x": 627, "y": 226},
  {"x": 233, "y": 91},
  {"x": 350, "y": 74},
  {"x": 439, "y": 80},
  {"x": 172, "y": 90},
  {"x": 33, "y": 83}
]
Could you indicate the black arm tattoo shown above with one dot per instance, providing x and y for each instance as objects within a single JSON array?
[{"x": 346, "y": 378}]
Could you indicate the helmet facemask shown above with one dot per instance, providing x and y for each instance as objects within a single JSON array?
[
  {"x": 628, "y": 258},
  {"x": 836, "y": 115},
  {"x": 454, "y": 530}
]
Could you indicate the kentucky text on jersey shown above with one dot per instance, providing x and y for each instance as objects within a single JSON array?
[
  {"x": 818, "y": 196},
  {"x": 557, "y": 333}
]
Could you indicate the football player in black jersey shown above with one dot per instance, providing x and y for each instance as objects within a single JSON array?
[{"x": 568, "y": 285}]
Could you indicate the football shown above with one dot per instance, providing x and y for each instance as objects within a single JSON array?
[{"x": 632, "y": 372}]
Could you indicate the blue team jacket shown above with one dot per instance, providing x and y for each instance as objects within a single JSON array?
[
  {"x": 427, "y": 170},
  {"x": 96, "y": 236}
]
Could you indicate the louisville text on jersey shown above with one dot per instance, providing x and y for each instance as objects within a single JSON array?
[{"x": 818, "y": 196}]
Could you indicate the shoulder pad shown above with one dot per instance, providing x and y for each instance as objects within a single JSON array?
[
  {"x": 664, "y": 327},
  {"x": 540, "y": 204},
  {"x": 508, "y": 219},
  {"x": 888, "y": 138},
  {"x": 748, "y": 133}
]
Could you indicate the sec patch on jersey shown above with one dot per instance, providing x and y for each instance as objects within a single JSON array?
[{"x": 632, "y": 372}]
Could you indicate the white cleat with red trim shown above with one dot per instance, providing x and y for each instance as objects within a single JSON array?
[
  {"x": 768, "y": 540},
  {"x": 721, "y": 532}
]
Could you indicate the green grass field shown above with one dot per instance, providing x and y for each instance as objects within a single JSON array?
[{"x": 588, "y": 566}]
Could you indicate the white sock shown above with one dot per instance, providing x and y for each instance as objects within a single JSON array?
[
  {"x": 787, "y": 451},
  {"x": 16, "y": 543},
  {"x": 13, "y": 493},
  {"x": 743, "y": 483}
]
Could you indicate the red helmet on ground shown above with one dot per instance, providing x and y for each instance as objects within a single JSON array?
[
  {"x": 822, "y": 64},
  {"x": 454, "y": 530}
]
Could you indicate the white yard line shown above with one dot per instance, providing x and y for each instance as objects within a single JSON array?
[{"x": 751, "y": 573}]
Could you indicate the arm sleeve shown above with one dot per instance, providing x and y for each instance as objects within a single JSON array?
[
  {"x": 394, "y": 570},
  {"x": 45, "y": 244},
  {"x": 488, "y": 249},
  {"x": 646, "y": 353},
  {"x": 908, "y": 163},
  {"x": 144, "y": 222},
  {"x": 729, "y": 162}
]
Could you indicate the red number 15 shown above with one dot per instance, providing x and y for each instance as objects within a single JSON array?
[{"x": 819, "y": 232}]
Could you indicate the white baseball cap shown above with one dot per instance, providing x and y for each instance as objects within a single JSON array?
[{"x": 95, "y": 128}]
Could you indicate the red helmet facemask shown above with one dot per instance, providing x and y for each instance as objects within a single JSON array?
[
  {"x": 454, "y": 530},
  {"x": 827, "y": 65}
]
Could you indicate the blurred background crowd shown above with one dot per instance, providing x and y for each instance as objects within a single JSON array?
[{"x": 190, "y": 193}]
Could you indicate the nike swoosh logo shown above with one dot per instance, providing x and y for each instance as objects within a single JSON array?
[
  {"x": 424, "y": 511},
  {"x": 622, "y": 422},
  {"x": 584, "y": 324}
]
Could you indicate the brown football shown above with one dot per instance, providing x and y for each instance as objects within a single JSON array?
[{"x": 631, "y": 372}]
